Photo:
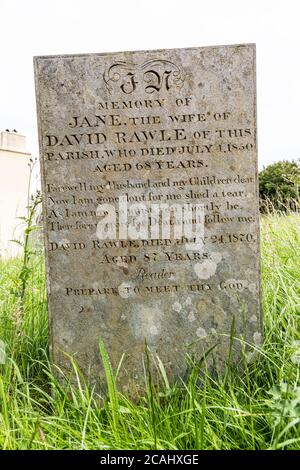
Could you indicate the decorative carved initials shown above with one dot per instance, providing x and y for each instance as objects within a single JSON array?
[
  {"x": 154, "y": 75},
  {"x": 130, "y": 85}
]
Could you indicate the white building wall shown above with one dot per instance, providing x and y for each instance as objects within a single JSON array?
[{"x": 14, "y": 180}]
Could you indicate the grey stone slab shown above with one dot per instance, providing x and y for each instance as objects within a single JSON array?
[{"x": 153, "y": 129}]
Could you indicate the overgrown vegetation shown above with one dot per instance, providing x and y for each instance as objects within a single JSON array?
[
  {"x": 259, "y": 409},
  {"x": 279, "y": 186}
]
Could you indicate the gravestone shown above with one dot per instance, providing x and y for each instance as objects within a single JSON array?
[{"x": 151, "y": 221}]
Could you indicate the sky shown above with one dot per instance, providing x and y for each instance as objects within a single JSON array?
[{"x": 41, "y": 27}]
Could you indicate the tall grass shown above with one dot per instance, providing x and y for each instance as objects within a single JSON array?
[{"x": 259, "y": 409}]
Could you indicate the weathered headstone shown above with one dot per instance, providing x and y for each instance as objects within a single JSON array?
[{"x": 124, "y": 137}]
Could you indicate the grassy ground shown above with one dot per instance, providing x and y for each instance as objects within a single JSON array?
[{"x": 258, "y": 410}]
